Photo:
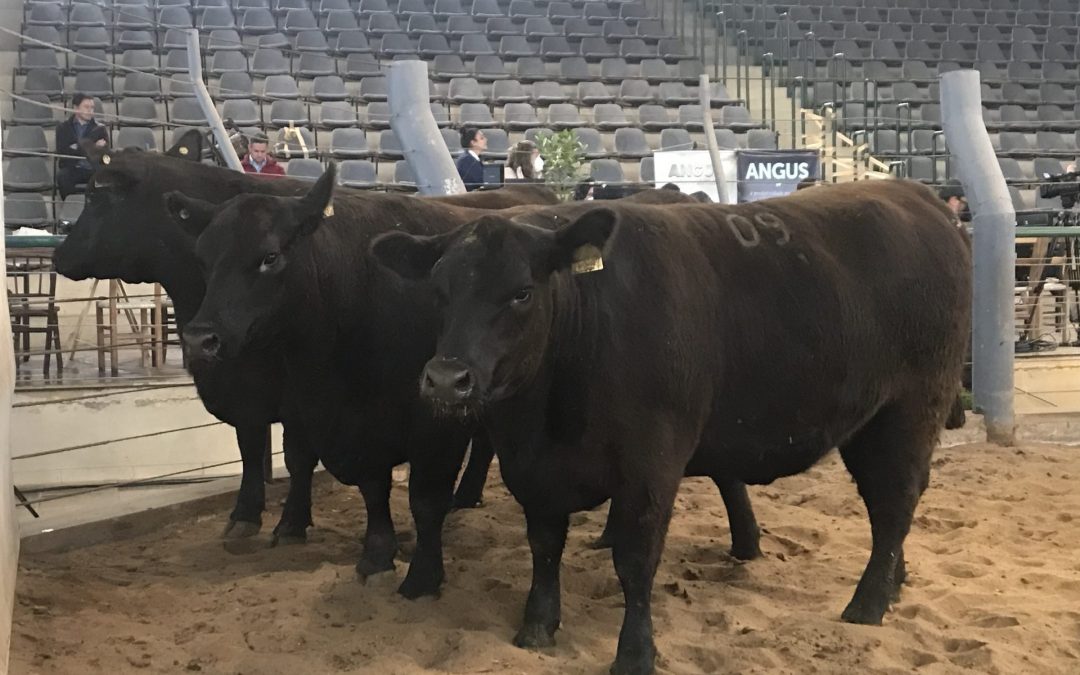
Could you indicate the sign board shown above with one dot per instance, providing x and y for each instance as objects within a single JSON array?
[
  {"x": 691, "y": 171},
  {"x": 774, "y": 173}
]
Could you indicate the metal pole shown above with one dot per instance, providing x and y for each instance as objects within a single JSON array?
[
  {"x": 994, "y": 253},
  {"x": 207, "y": 104},
  {"x": 705, "y": 92},
  {"x": 716, "y": 50},
  {"x": 415, "y": 126}
]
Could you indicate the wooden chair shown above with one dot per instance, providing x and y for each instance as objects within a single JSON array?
[{"x": 33, "y": 308}]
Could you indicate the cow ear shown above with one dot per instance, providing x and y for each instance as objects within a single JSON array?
[
  {"x": 317, "y": 205},
  {"x": 410, "y": 256},
  {"x": 194, "y": 215},
  {"x": 580, "y": 244},
  {"x": 189, "y": 146}
]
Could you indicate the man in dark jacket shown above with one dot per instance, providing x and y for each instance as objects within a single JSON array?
[
  {"x": 71, "y": 135},
  {"x": 469, "y": 166}
]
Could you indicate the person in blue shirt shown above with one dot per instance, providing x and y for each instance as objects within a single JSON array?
[
  {"x": 75, "y": 169},
  {"x": 469, "y": 165}
]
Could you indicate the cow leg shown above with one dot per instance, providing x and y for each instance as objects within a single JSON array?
[
  {"x": 246, "y": 517},
  {"x": 745, "y": 535},
  {"x": 431, "y": 492},
  {"x": 606, "y": 537},
  {"x": 890, "y": 462},
  {"x": 543, "y": 609},
  {"x": 380, "y": 541},
  {"x": 640, "y": 519},
  {"x": 296, "y": 514},
  {"x": 470, "y": 489}
]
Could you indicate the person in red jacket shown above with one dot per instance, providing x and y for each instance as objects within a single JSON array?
[{"x": 258, "y": 159}]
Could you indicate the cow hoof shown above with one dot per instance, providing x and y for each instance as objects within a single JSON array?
[
  {"x": 240, "y": 529},
  {"x": 534, "y": 636},
  {"x": 601, "y": 542},
  {"x": 413, "y": 588},
  {"x": 368, "y": 568},
  {"x": 465, "y": 503},
  {"x": 645, "y": 667},
  {"x": 288, "y": 540},
  {"x": 866, "y": 616},
  {"x": 746, "y": 552}
]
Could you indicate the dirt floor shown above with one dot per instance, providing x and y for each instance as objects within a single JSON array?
[{"x": 994, "y": 587}]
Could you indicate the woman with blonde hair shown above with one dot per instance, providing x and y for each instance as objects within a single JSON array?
[{"x": 524, "y": 162}]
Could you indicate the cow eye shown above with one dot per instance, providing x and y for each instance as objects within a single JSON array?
[
  {"x": 523, "y": 297},
  {"x": 268, "y": 261}
]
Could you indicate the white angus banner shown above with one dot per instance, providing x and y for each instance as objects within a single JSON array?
[
  {"x": 692, "y": 171},
  {"x": 774, "y": 173}
]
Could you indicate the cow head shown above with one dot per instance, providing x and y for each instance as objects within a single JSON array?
[
  {"x": 123, "y": 228},
  {"x": 495, "y": 279},
  {"x": 249, "y": 247}
]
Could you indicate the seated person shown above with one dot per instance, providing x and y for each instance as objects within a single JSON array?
[
  {"x": 258, "y": 159},
  {"x": 469, "y": 165},
  {"x": 72, "y": 136}
]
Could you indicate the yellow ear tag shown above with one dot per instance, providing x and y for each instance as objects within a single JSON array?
[
  {"x": 183, "y": 151},
  {"x": 105, "y": 159},
  {"x": 587, "y": 259},
  {"x": 328, "y": 211}
]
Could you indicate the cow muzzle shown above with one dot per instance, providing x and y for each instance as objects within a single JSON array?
[
  {"x": 202, "y": 342},
  {"x": 447, "y": 381}
]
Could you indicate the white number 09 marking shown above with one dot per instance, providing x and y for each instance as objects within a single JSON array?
[{"x": 747, "y": 233}]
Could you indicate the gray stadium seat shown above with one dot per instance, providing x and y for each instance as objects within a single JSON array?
[
  {"x": 447, "y": 67},
  {"x": 300, "y": 20},
  {"x": 286, "y": 113},
  {"x": 609, "y": 116},
  {"x": 761, "y": 139},
  {"x": 606, "y": 171},
  {"x": 335, "y": 114},
  {"x": 349, "y": 144},
  {"x": 26, "y": 210},
  {"x": 235, "y": 86},
  {"x": 486, "y": 8},
  {"x": 676, "y": 139},
  {"x": 519, "y": 116},
  {"x": 280, "y": 87},
  {"x": 329, "y": 88},
  {"x": 33, "y": 109},
  {"x": 85, "y": 14},
  {"x": 372, "y": 89},
  {"x": 396, "y": 44},
  {"x": 564, "y": 116},
  {"x": 403, "y": 175},
  {"x": 499, "y": 26},
  {"x": 91, "y": 37},
  {"x": 646, "y": 170},
  {"x": 43, "y": 82},
  {"x": 736, "y": 117},
  {"x": 529, "y": 69},
  {"x": 228, "y": 62},
  {"x": 590, "y": 138},
  {"x": 548, "y": 93},
  {"x": 357, "y": 173},
  {"x": 243, "y": 112},
  {"x": 376, "y": 115},
  {"x": 726, "y": 139},
  {"x": 473, "y": 45},
  {"x": 652, "y": 117},
  {"x": 27, "y": 174},
  {"x": 422, "y": 24},
  {"x": 389, "y": 145},
  {"x": 312, "y": 41},
  {"x": 691, "y": 117},
  {"x": 141, "y": 84},
  {"x": 453, "y": 142},
  {"x": 498, "y": 144},
  {"x": 541, "y": 27},
  {"x": 304, "y": 169},
  {"x": 313, "y": 64},
  {"x": 138, "y": 59},
  {"x": 94, "y": 84},
  {"x": 138, "y": 111},
  {"x": 635, "y": 92},
  {"x": 593, "y": 93},
  {"x": 573, "y": 70},
  {"x": 465, "y": 90},
  {"x": 630, "y": 143},
  {"x": 186, "y": 111},
  {"x": 458, "y": 26},
  {"x": 352, "y": 43},
  {"x": 143, "y": 138},
  {"x": 557, "y": 47},
  {"x": 433, "y": 45},
  {"x": 25, "y": 139},
  {"x": 475, "y": 115},
  {"x": 676, "y": 94},
  {"x": 268, "y": 62},
  {"x": 508, "y": 91},
  {"x": 361, "y": 67},
  {"x": 490, "y": 67},
  {"x": 71, "y": 209},
  {"x": 440, "y": 113}
]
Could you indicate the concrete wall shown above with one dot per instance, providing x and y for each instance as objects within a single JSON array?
[{"x": 48, "y": 425}]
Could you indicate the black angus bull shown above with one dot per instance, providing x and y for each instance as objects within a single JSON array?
[
  {"x": 352, "y": 338},
  {"x": 126, "y": 233},
  {"x": 738, "y": 341}
]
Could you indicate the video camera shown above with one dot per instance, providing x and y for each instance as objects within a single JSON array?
[{"x": 1064, "y": 185}]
